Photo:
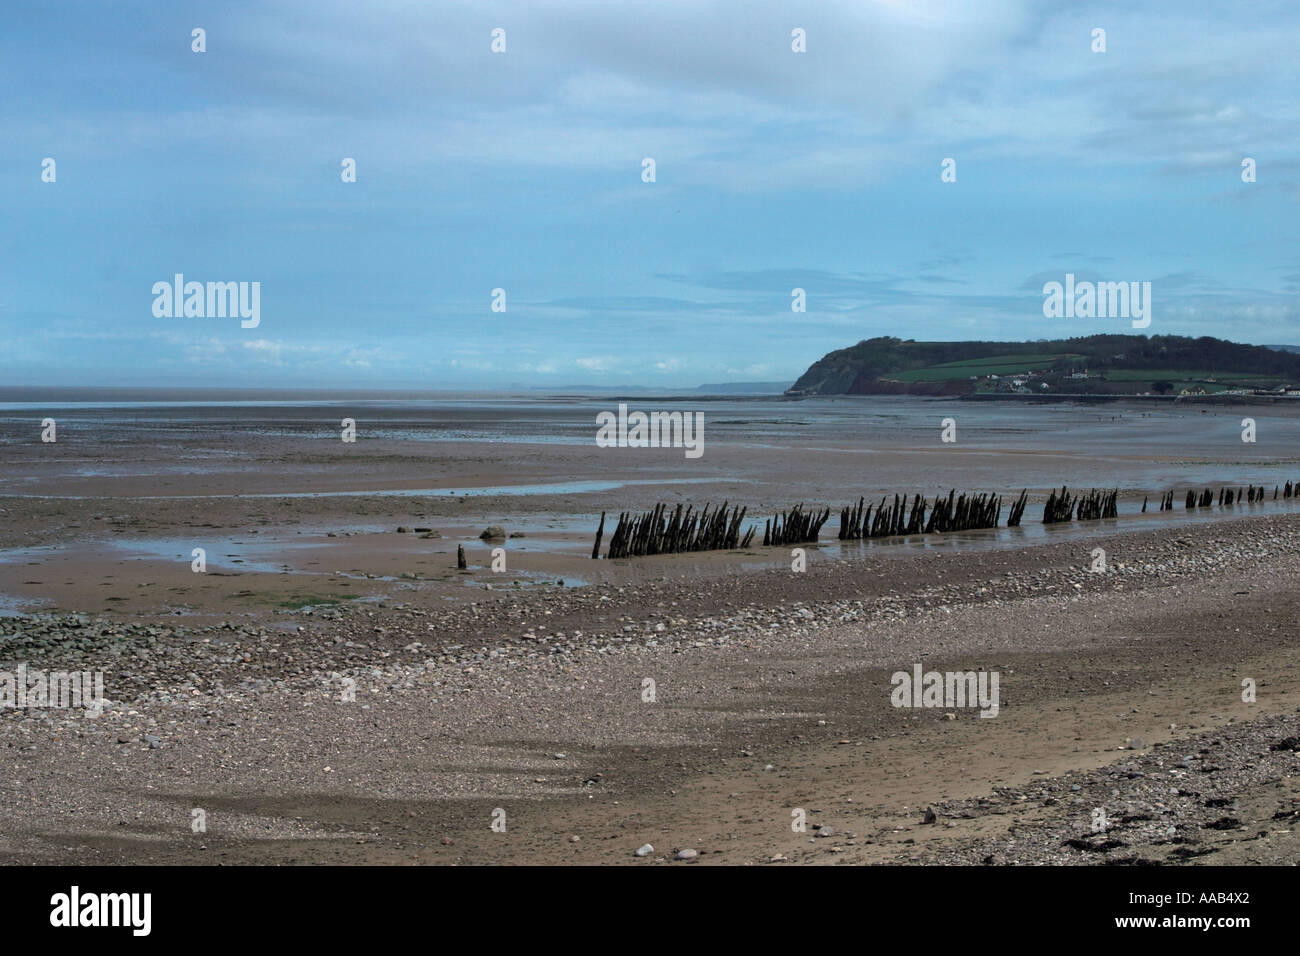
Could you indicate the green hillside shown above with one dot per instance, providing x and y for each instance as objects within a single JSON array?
[{"x": 1115, "y": 364}]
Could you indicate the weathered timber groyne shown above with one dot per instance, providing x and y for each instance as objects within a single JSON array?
[
  {"x": 795, "y": 527},
  {"x": 658, "y": 532},
  {"x": 953, "y": 513},
  {"x": 1092, "y": 506},
  {"x": 661, "y": 531},
  {"x": 1058, "y": 507},
  {"x": 1017, "y": 509}
]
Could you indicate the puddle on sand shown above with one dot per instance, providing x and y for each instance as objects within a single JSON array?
[
  {"x": 229, "y": 553},
  {"x": 11, "y": 606}
]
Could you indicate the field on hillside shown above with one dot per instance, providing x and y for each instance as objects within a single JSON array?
[
  {"x": 1183, "y": 375},
  {"x": 990, "y": 365}
]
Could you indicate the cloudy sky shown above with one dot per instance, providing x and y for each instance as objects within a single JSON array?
[{"x": 522, "y": 170}]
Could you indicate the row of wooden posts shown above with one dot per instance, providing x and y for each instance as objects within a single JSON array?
[
  {"x": 794, "y": 527},
  {"x": 954, "y": 513},
  {"x": 1091, "y": 506},
  {"x": 660, "y": 531},
  {"x": 1251, "y": 494}
]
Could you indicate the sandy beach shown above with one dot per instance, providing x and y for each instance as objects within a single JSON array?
[{"x": 333, "y": 690}]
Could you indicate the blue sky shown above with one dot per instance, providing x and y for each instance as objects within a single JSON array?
[{"x": 522, "y": 171}]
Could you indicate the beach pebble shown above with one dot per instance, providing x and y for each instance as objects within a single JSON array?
[{"x": 644, "y": 850}]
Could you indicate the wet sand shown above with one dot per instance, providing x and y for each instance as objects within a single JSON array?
[
  {"x": 105, "y": 520},
  {"x": 522, "y": 690}
]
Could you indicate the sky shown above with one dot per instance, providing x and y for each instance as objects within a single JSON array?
[{"x": 522, "y": 170}]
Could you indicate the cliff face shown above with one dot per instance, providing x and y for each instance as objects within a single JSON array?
[
  {"x": 839, "y": 372},
  {"x": 865, "y": 368}
]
